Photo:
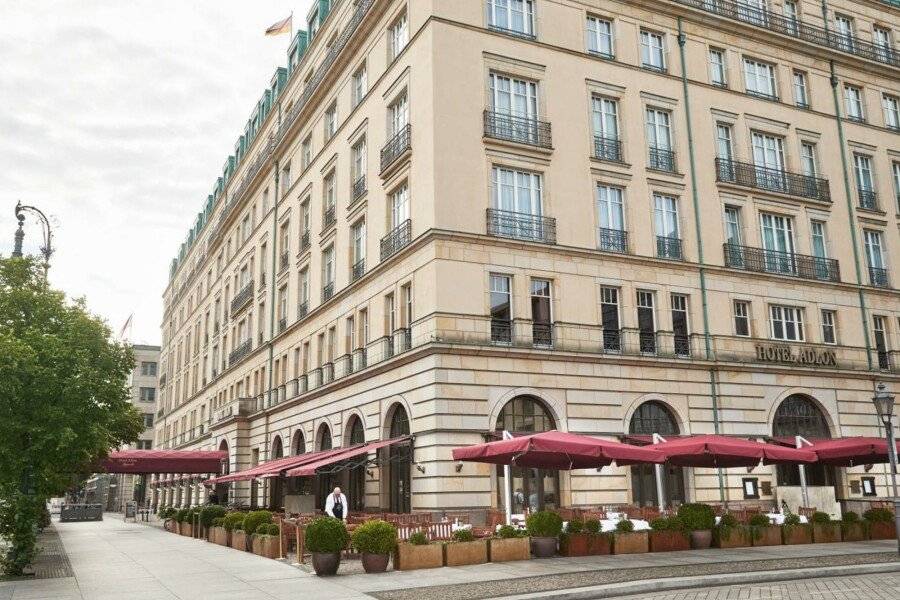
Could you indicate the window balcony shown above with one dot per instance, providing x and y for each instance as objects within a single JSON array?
[
  {"x": 359, "y": 269},
  {"x": 304, "y": 241},
  {"x": 778, "y": 23},
  {"x": 608, "y": 149},
  {"x": 282, "y": 324},
  {"x": 521, "y": 130},
  {"x": 359, "y": 189},
  {"x": 240, "y": 352},
  {"x": 542, "y": 334},
  {"x": 501, "y": 331},
  {"x": 521, "y": 226},
  {"x": 241, "y": 299},
  {"x": 868, "y": 199},
  {"x": 302, "y": 310},
  {"x": 775, "y": 180},
  {"x": 513, "y": 32},
  {"x": 327, "y": 292},
  {"x": 329, "y": 219},
  {"x": 669, "y": 247},
  {"x": 283, "y": 263},
  {"x": 661, "y": 159},
  {"x": 771, "y": 97},
  {"x": 613, "y": 240},
  {"x": 396, "y": 240},
  {"x": 396, "y": 147},
  {"x": 878, "y": 277},
  {"x": 760, "y": 260},
  {"x": 260, "y": 338}
]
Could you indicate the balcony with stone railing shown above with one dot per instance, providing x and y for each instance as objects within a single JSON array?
[{"x": 240, "y": 407}]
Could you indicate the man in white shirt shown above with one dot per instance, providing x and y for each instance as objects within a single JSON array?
[{"x": 336, "y": 505}]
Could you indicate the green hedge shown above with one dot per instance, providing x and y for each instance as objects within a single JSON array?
[
  {"x": 256, "y": 518},
  {"x": 326, "y": 535},
  {"x": 209, "y": 513},
  {"x": 232, "y": 519}
]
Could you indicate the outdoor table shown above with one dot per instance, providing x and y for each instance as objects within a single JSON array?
[
  {"x": 778, "y": 518},
  {"x": 610, "y": 524}
]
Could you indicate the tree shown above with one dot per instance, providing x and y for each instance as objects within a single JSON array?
[{"x": 64, "y": 400}]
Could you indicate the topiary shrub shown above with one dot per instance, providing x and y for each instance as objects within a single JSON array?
[
  {"x": 592, "y": 526},
  {"x": 182, "y": 515},
  {"x": 697, "y": 517},
  {"x": 507, "y": 531},
  {"x": 210, "y": 513},
  {"x": 575, "y": 526},
  {"x": 375, "y": 537},
  {"x": 326, "y": 535},
  {"x": 791, "y": 520},
  {"x": 659, "y": 524},
  {"x": 256, "y": 518},
  {"x": 878, "y": 515},
  {"x": 463, "y": 535},
  {"x": 238, "y": 526},
  {"x": 759, "y": 521},
  {"x": 217, "y": 522},
  {"x": 418, "y": 539},
  {"x": 232, "y": 519},
  {"x": 624, "y": 526},
  {"x": 821, "y": 517},
  {"x": 544, "y": 523},
  {"x": 850, "y": 517}
]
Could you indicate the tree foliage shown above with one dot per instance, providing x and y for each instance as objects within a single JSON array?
[{"x": 64, "y": 399}]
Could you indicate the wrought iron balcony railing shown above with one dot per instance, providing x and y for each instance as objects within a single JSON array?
[
  {"x": 522, "y": 130},
  {"x": 359, "y": 269},
  {"x": 395, "y": 147},
  {"x": 513, "y": 32},
  {"x": 242, "y": 298},
  {"x": 878, "y": 277},
  {"x": 661, "y": 159},
  {"x": 240, "y": 352},
  {"x": 329, "y": 219},
  {"x": 282, "y": 324},
  {"x": 501, "y": 331},
  {"x": 542, "y": 334},
  {"x": 613, "y": 240},
  {"x": 868, "y": 199},
  {"x": 302, "y": 310},
  {"x": 777, "y": 23},
  {"x": 359, "y": 189},
  {"x": 669, "y": 247},
  {"x": 760, "y": 260},
  {"x": 521, "y": 226},
  {"x": 609, "y": 149},
  {"x": 397, "y": 239},
  {"x": 776, "y": 180},
  {"x": 283, "y": 262},
  {"x": 327, "y": 292},
  {"x": 771, "y": 96},
  {"x": 304, "y": 241}
]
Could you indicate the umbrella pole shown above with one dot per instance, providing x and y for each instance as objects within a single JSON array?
[
  {"x": 507, "y": 485},
  {"x": 803, "y": 491},
  {"x": 660, "y": 489}
]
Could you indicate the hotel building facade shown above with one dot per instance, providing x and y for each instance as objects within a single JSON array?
[{"x": 619, "y": 218}]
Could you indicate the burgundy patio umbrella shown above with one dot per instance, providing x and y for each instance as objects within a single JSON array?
[
  {"x": 714, "y": 451},
  {"x": 557, "y": 450},
  {"x": 851, "y": 451}
]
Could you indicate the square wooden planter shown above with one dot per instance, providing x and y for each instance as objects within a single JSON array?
[
  {"x": 768, "y": 536},
  {"x": 882, "y": 530},
  {"x": 239, "y": 540},
  {"x": 265, "y": 545},
  {"x": 797, "y": 534},
  {"x": 600, "y": 544},
  {"x": 186, "y": 529},
  {"x": 574, "y": 544},
  {"x": 408, "y": 557},
  {"x": 509, "y": 549},
  {"x": 637, "y": 542},
  {"x": 457, "y": 554},
  {"x": 826, "y": 533},
  {"x": 738, "y": 537},
  {"x": 220, "y": 536},
  {"x": 669, "y": 541},
  {"x": 853, "y": 532}
]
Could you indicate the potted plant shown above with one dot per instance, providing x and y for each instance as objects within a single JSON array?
[
  {"x": 418, "y": 553},
  {"x": 794, "y": 532},
  {"x": 264, "y": 540},
  {"x": 699, "y": 520},
  {"x": 668, "y": 535},
  {"x": 217, "y": 532},
  {"x": 255, "y": 518},
  {"x": 234, "y": 522},
  {"x": 880, "y": 523},
  {"x": 852, "y": 529},
  {"x": 509, "y": 544},
  {"x": 628, "y": 541},
  {"x": 729, "y": 533},
  {"x": 375, "y": 540},
  {"x": 599, "y": 543},
  {"x": 208, "y": 514},
  {"x": 763, "y": 533},
  {"x": 544, "y": 528},
  {"x": 185, "y": 527},
  {"x": 326, "y": 537},
  {"x": 464, "y": 549},
  {"x": 575, "y": 540},
  {"x": 824, "y": 531}
]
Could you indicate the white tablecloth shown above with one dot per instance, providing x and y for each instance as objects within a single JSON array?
[{"x": 778, "y": 518}]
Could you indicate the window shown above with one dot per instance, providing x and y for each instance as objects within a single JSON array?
[
  {"x": 680, "y": 332},
  {"x": 148, "y": 394},
  {"x": 328, "y": 198},
  {"x": 516, "y": 195},
  {"x": 144, "y": 444},
  {"x": 665, "y": 214},
  {"x": 853, "y": 100},
  {"x": 512, "y": 16},
  {"x": 600, "y": 37},
  {"x": 895, "y": 168},
  {"x": 328, "y": 269},
  {"x": 717, "y": 68},
  {"x": 778, "y": 242},
  {"x": 653, "y": 51},
  {"x": 724, "y": 153},
  {"x": 768, "y": 158},
  {"x": 245, "y": 228},
  {"x": 829, "y": 335},
  {"x": 304, "y": 291},
  {"x": 646, "y": 322},
  {"x": 306, "y": 152},
  {"x": 891, "y": 107},
  {"x": 759, "y": 79},
  {"x": 501, "y": 309},
  {"x": 515, "y": 97},
  {"x": 611, "y": 217},
  {"x": 865, "y": 185},
  {"x": 880, "y": 330},
  {"x": 659, "y": 140},
  {"x": 398, "y": 115},
  {"x": 358, "y": 160},
  {"x": 741, "y": 318},
  {"x": 792, "y": 14},
  {"x": 605, "y": 120},
  {"x": 330, "y": 121},
  {"x": 787, "y": 323},
  {"x": 360, "y": 85},
  {"x": 286, "y": 176},
  {"x": 808, "y": 161},
  {"x": 282, "y": 305},
  {"x": 148, "y": 368},
  {"x": 541, "y": 314},
  {"x": 868, "y": 486},
  {"x": 843, "y": 26},
  {"x": 398, "y": 37},
  {"x": 358, "y": 250},
  {"x": 884, "y": 46},
  {"x": 875, "y": 257},
  {"x": 148, "y": 420},
  {"x": 609, "y": 317},
  {"x": 817, "y": 236},
  {"x": 733, "y": 228},
  {"x": 801, "y": 91},
  {"x": 400, "y": 206}
]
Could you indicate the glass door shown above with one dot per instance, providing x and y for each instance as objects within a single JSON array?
[
  {"x": 768, "y": 157},
  {"x": 778, "y": 243}
]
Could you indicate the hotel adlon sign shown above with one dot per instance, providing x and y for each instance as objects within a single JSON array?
[{"x": 784, "y": 354}]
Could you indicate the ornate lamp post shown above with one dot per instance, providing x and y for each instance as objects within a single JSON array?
[
  {"x": 47, "y": 248},
  {"x": 884, "y": 405}
]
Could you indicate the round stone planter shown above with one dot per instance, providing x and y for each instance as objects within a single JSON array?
[
  {"x": 374, "y": 563},
  {"x": 326, "y": 563},
  {"x": 700, "y": 540},
  {"x": 543, "y": 547}
]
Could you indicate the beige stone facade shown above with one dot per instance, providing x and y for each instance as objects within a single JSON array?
[{"x": 442, "y": 206}]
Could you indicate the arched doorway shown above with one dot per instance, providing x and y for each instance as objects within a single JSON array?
[
  {"x": 298, "y": 444},
  {"x": 356, "y": 476},
  {"x": 276, "y": 484},
  {"x": 649, "y": 418},
  {"x": 800, "y": 415},
  {"x": 221, "y": 489},
  {"x": 532, "y": 489},
  {"x": 324, "y": 481},
  {"x": 399, "y": 464}
]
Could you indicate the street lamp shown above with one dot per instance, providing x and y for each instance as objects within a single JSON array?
[
  {"x": 47, "y": 248},
  {"x": 884, "y": 405}
]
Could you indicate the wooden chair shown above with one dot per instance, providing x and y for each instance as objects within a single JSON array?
[{"x": 806, "y": 511}]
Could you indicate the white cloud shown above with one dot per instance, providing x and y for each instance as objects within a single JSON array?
[{"x": 116, "y": 120}]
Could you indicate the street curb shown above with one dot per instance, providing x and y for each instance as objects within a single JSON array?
[{"x": 668, "y": 584}]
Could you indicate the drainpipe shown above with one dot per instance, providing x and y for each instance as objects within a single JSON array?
[
  {"x": 848, "y": 194},
  {"x": 695, "y": 198}
]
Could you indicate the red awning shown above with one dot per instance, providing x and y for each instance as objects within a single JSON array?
[
  {"x": 310, "y": 469},
  {"x": 849, "y": 452},
  {"x": 272, "y": 468},
  {"x": 557, "y": 450},
  {"x": 722, "y": 451},
  {"x": 164, "y": 461}
]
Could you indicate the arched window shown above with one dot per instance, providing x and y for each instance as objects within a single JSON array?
[
  {"x": 399, "y": 463},
  {"x": 533, "y": 489},
  {"x": 323, "y": 438},
  {"x": 323, "y": 480},
  {"x": 649, "y": 418},
  {"x": 800, "y": 415},
  {"x": 356, "y": 434},
  {"x": 277, "y": 448},
  {"x": 276, "y": 484},
  {"x": 221, "y": 490},
  {"x": 356, "y": 476},
  {"x": 298, "y": 445}
]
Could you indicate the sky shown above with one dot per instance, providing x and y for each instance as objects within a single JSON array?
[{"x": 115, "y": 120}]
